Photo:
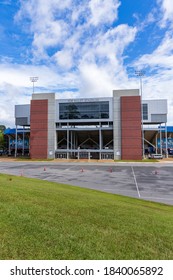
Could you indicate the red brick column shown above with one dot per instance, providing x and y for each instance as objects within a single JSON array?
[
  {"x": 39, "y": 129},
  {"x": 131, "y": 134}
]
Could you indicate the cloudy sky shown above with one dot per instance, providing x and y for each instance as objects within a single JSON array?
[{"x": 84, "y": 49}]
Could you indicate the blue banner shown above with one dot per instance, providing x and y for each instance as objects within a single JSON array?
[
  {"x": 19, "y": 144},
  {"x": 169, "y": 141}
]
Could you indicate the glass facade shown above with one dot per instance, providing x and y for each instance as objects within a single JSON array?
[
  {"x": 81, "y": 110},
  {"x": 145, "y": 111}
]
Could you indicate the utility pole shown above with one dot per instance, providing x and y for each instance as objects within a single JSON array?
[{"x": 140, "y": 74}]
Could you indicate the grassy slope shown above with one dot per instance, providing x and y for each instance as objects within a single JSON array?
[{"x": 42, "y": 220}]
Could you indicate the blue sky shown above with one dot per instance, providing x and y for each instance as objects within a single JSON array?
[{"x": 84, "y": 48}]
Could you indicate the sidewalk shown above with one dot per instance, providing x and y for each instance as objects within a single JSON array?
[{"x": 12, "y": 159}]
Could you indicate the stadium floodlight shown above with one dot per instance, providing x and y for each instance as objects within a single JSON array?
[
  {"x": 33, "y": 81},
  {"x": 140, "y": 74}
]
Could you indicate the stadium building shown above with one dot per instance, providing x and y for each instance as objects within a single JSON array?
[{"x": 117, "y": 127}]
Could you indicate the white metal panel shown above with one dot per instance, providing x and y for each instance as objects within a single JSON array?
[
  {"x": 22, "y": 111},
  {"x": 22, "y": 114},
  {"x": 156, "y": 107}
]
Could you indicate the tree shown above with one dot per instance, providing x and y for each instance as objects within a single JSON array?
[
  {"x": 2, "y": 140},
  {"x": 2, "y": 128}
]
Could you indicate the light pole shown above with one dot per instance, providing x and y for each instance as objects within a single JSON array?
[
  {"x": 33, "y": 80},
  {"x": 140, "y": 74}
]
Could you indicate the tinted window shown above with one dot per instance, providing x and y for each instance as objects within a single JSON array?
[{"x": 80, "y": 110}]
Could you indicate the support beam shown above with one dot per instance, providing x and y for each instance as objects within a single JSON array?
[
  {"x": 9, "y": 147},
  {"x": 166, "y": 139},
  {"x": 160, "y": 139},
  {"x": 23, "y": 148},
  {"x": 15, "y": 154},
  {"x": 156, "y": 143},
  {"x": 100, "y": 142}
]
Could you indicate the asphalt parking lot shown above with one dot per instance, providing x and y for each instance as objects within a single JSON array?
[{"x": 149, "y": 181}]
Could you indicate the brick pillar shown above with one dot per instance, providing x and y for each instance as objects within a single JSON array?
[
  {"x": 131, "y": 133},
  {"x": 39, "y": 129}
]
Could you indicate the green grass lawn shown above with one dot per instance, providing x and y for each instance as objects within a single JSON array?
[{"x": 43, "y": 220}]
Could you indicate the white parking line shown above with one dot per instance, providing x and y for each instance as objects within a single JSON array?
[{"x": 135, "y": 182}]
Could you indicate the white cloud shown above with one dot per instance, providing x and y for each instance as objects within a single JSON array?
[
  {"x": 159, "y": 86},
  {"x": 158, "y": 82},
  {"x": 162, "y": 56},
  {"x": 51, "y": 36},
  {"x": 46, "y": 29},
  {"x": 52, "y": 23},
  {"x": 82, "y": 50},
  {"x": 95, "y": 81},
  {"x": 16, "y": 87},
  {"x": 114, "y": 41},
  {"x": 101, "y": 65},
  {"x": 103, "y": 11},
  {"x": 64, "y": 59},
  {"x": 167, "y": 10},
  {"x": 85, "y": 56},
  {"x": 10, "y": 95}
]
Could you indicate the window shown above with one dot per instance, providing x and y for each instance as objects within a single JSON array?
[
  {"x": 145, "y": 111},
  {"x": 81, "y": 110}
]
